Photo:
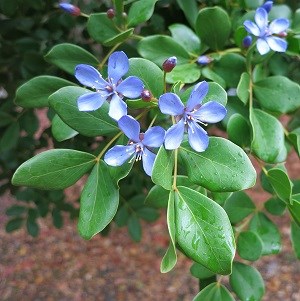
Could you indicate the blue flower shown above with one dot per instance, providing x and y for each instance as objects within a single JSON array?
[
  {"x": 114, "y": 88},
  {"x": 265, "y": 32},
  {"x": 70, "y": 8},
  {"x": 139, "y": 146},
  {"x": 204, "y": 60},
  {"x": 267, "y": 6},
  {"x": 188, "y": 117}
]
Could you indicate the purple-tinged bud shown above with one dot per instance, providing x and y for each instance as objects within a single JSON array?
[
  {"x": 169, "y": 64},
  {"x": 204, "y": 60},
  {"x": 282, "y": 34},
  {"x": 247, "y": 41},
  {"x": 111, "y": 13},
  {"x": 267, "y": 6},
  {"x": 146, "y": 95},
  {"x": 70, "y": 8}
]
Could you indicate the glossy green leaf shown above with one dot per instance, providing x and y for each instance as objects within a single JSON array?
[
  {"x": 190, "y": 10},
  {"x": 60, "y": 130},
  {"x": 220, "y": 197},
  {"x": 249, "y": 245},
  {"x": 158, "y": 48},
  {"x": 208, "y": 73},
  {"x": 32, "y": 226},
  {"x": 68, "y": 56},
  {"x": 134, "y": 228},
  {"x": 294, "y": 137},
  {"x": 267, "y": 232},
  {"x": 230, "y": 172},
  {"x": 294, "y": 208},
  {"x": 213, "y": 27},
  {"x": 119, "y": 38},
  {"x": 98, "y": 202},
  {"x": 10, "y": 137},
  {"x": 277, "y": 93},
  {"x": 35, "y": 92},
  {"x": 203, "y": 230},
  {"x": 90, "y": 124},
  {"x": 201, "y": 272},
  {"x": 243, "y": 88},
  {"x": 238, "y": 206},
  {"x": 120, "y": 172},
  {"x": 238, "y": 130},
  {"x": 140, "y": 11},
  {"x": 275, "y": 206},
  {"x": 186, "y": 73},
  {"x": 295, "y": 238},
  {"x": 268, "y": 135},
  {"x": 53, "y": 169},
  {"x": 214, "y": 292},
  {"x": 122, "y": 216},
  {"x": 247, "y": 282}
]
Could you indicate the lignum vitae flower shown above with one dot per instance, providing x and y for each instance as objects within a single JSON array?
[
  {"x": 113, "y": 88},
  {"x": 70, "y": 8},
  {"x": 204, "y": 60},
  {"x": 265, "y": 32},
  {"x": 139, "y": 146},
  {"x": 190, "y": 117}
]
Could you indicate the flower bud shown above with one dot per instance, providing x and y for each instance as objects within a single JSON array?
[
  {"x": 204, "y": 60},
  {"x": 267, "y": 6},
  {"x": 146, "y": 95},
  {"x": 282, "y": 34},
  {"x": 169, "y": 64},
  {"x": 247, "y": 41},
  {"x": 70, "y": 8},
  {"x": 110, "y": 13}
]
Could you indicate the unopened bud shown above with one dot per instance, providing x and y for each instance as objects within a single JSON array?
[
  {"x": 282, "y": 34},
  {"x": 70, "y": 8},
  {"x": 146, "y": 95},
  {"x": 204, "y": 60},
  {"x": 267, "y": 6},
  {"x": 247, "y": 41},
  {"x": 169, "y": 64},
  {"x": 111, "y": 13}
]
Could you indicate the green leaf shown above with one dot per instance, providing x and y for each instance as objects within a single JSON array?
[
  {"x": 60, "y": 130},
  {"x": 280, "y": 183},
  {"x": 243, "y": 88},
  {"x": 294, "y": 208},
  {"x": 122, "y": 216},
  {"x": 151, "y": 75},
  {"x": 238, "y": 206},
  {"x": 148, "y": 214},
  {"x": 294, "y": 137},
  {"x": 98, "y": 203},
  {"x": 268, "y": 135},
  {"x": 295, "y": 238},
  {"x": 91, "y": 124},
  {"x": 208, "y": 73},
  {"x": 247, "y": 282},
  {"x": 53, "y": 169},
  {"x": 14, "y": 224},
  {"x": 57, "y": 218},
  {"x": 190, "y": 10},
  {"x": 214, "y": 292},
  {"x": 10, "y": 137},
  {"x": 230, "y": 171},
  {"x": 35, "y": 92},
  {"x": 120, "y": 172},
  {"x": 158, "y": 48},
  {"x": 32, "y": 227},
  {"x": 186, "y": 36},
  {"x": 238, "y": 130},
  {"x": 275, "y": 206},
  {"x": 5, "y": 119},
  {"x": 277, "y": 93},
  {"x": 200, "y": 272},
  {"x": 140, "y": 12},
  {"x": 15, "y": 210},
  {"x": 249, "y": 245},
  {"x": 267, "y": 232},
  {"x": 186, "y": 73},
  {"x": 163, "y": 168},
  {"x": 203, "y": 231},
  {"x": 119, "y": 38},
  {"x": 213, "y": 27},
  {"x": 134, "y": 228},
  {"x": 68, "y": 56},
  {"x": 220, "y": 197}
]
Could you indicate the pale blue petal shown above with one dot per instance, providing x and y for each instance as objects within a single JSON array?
[
  {"x": 130, "y": 127},
  {"x": 197, "y": 95},
  {"x": 118, "y": 66},
  {"x": 279, "y": 25},
  {"x": 148, "y": 161},
  {"x": 198, "y": 138},
  {"x": 251, "y": 28},
  {"x": 277, "y": 44},
  {"x": 89, "y": 76},
  {"x": 90, "y": 101},
  {"x": 211, "y": 112},
  {"x": 261, "y": 18},
  {"x": 267, "y": 6},
  {"x": 131, "y": 87},
  {"x": 262, "y": 46},
  {"x": 119, "y": 154},
  {"x": 170, "y": 103},
  {"x": 117, "y": 107},
  {"x": 154, "y": 137},
  {"x": 174, "y": 135}
]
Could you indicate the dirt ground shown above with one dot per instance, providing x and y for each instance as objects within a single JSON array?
[{"x": 59, "y": 265}]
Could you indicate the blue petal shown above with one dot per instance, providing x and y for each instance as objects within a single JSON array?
[
  {"x": 170, "y": 103},
  {"x": 130, "y": 127},
  {"x": 148, "y": 161},
  {"x": 118, "y": 66},
  {"x": 279, "y": 25},
  {"x": 117, "y": 107},
  {"x": 197, "y": 95},
  {"x": 277, "y": 44},
  {"x": 251, "y": 28},
  {"x": 90, "y": 101},
  {"x": 267, "y": 6},
  {"x": 119, "y": 154},
  {"x": 198, "y": 138},
  {"x": 262, "y": 46},
  {"x": 174, "y": 135},
  {"x": 90, "y": 77},
  {"x": 211, "y": 112},
  {"x": 154, "y": 137},
  {"x": 261, "y": 18},
  {"x": 131, "y": 87}
]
